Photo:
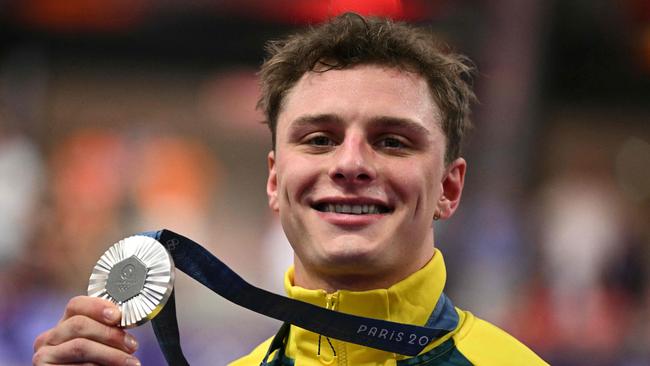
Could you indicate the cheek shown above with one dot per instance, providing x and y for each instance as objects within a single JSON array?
[
  {"x": 295, "y": 179},
  {"x": 421, "y": 187},
  {"x": 427, "y": 189}
]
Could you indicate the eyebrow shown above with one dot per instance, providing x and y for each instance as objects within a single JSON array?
[
  {"x": 375, "y": 122},
  {"x": 315, "y": 119},
  {"x": 400, "y": 123}
]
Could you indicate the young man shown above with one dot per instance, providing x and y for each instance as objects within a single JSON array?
[{"x": 367, "y": 118}]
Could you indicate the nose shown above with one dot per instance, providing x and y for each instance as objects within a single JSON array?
[{"x": 353, "y": 162}]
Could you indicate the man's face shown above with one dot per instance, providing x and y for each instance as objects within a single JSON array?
[{"x": 358, "y": 173}]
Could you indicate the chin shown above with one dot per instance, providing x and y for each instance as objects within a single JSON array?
[{"x": 357, "y": 258}]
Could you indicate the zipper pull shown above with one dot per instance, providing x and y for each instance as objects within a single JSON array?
[{"x": 331, "y": 302}]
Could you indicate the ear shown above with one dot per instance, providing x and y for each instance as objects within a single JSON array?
[
  {"x": 272, "y": 183},
  {"x": 452, "y": 188}
]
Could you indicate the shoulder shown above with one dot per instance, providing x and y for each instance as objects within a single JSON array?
[
  {"x": 254, "y": 358},
  {"x": 485, "y": 344}
]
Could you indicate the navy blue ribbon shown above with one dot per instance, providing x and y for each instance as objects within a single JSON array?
[{"x": 198, "y": 263}]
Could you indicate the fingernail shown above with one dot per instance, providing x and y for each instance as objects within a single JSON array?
[
  {"x": 132, "y": 361},
  {"x": 130, "y": 342},
  {"x": 111, "y": 314}
]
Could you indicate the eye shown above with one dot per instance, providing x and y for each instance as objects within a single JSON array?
[
  {"x": 390, "y": 142},
  {"x": 320, "y": 140}
]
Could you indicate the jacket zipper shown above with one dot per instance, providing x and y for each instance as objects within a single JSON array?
[{"x": 339, "y": 347}]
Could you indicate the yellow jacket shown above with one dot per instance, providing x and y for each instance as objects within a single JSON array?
[{"x": 412, "y": 300}]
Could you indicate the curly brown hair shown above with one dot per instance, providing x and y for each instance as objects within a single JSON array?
[{"x": 351, "y": 39}]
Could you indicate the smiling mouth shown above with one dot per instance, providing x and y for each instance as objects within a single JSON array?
[{"x": 352, "y": 209}]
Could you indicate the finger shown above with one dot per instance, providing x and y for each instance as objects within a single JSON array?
[
  {"x": 80, "y": 326},
  {"x": 41, "y": 339},
  {"x": 93, "y": 307},
  {"x": 80, "y": 350}
]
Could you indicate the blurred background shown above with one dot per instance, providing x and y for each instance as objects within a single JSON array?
[{"x": 122, "y": 116}]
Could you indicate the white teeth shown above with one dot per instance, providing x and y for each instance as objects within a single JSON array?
[{"x": 351, "y": 209}]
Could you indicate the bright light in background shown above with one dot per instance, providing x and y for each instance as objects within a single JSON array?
[
  {"x": 387, "y": 7},
  {"x": 121, "y": 15},
  {"x": 314, "y": 11}
]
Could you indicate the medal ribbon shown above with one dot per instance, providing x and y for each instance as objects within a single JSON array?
[{"x": 201, "y": 265}]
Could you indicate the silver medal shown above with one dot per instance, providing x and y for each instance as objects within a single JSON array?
[{"x": 137, "y": 274}]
